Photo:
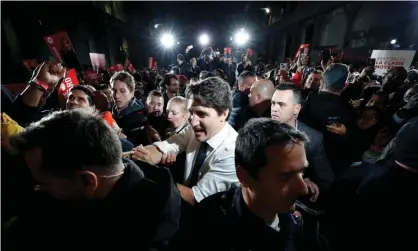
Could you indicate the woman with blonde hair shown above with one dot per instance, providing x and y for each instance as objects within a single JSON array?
[{"x": 177, "y": 115}]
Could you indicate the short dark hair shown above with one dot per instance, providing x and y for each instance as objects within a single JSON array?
[
  {"x": 256, "y": 136},
  {"x": 79, "y": 132},
  {"x": 244, "y": 75},
  {"x": 211, "y": 92},
  {"x": 125, "y": 77},
  {"x": 175, "y": 70},
  {"x": 207, "y": 74},
  {"x": 297, "y": 92},
  {"x": 220, "y": 73},
  {"x": 155, "y": 93},
  {"x": 87, "y": 91},
  {"x": 168, "y": 77},
  {"x": 103, "y": 87},
  {"x": 316, "y": 72},
  {"x": 335, "y": 77},
  {"x": 180, "y": 57}
]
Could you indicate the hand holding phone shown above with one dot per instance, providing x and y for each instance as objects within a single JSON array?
[{"x": 333, "y": 121}]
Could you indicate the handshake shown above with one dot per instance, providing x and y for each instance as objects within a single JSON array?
[{"x": 151, "y": 155}]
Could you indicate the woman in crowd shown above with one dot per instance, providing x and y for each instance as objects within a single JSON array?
[
  {"x": 361, "y": 136},
  {"x": 177, "y": 115}
]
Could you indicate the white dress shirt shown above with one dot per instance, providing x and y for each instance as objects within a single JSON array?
[{"x": 217, "y": 173}]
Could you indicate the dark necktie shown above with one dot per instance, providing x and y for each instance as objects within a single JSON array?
[{"x": 200, "y": 158}]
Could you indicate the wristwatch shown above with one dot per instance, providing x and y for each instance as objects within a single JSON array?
[{"x": 43, "y": 86}]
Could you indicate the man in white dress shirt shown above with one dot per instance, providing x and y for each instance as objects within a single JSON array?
[{"x": 209, "y": 142}]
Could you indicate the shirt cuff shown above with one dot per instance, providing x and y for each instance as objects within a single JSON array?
[{"x": 198, "y": 196}]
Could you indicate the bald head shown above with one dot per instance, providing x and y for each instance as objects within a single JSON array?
[
  {"x": 263, "y": 87},
  {"x": 261, "y": 90}
]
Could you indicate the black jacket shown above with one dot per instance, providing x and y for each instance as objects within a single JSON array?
[
  {"x": 247, "y": 113},
  {"x": 241, "y": 68},
  {"x": 224, "y": 222},
  {"x": 131, "y": 119},
  {"x": 320, "y": 171},
  {"x": 316, "y": 111},
  {"x": 184, "y": 68},
  {"x": 140, "y": 213}
]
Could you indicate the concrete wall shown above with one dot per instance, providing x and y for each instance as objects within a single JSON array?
[{"x": 334, "y": 28}]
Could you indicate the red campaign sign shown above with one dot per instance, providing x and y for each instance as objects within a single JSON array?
[
  {"x": 304, "y": 48},
  {"x": 150, "y": 62},
  {"x": 227, "y": 50},
  {"x": 30, "y": 64},
  {"x": 249, "y": 52},
  {"x": 129, "y": 66},
  {"x": 59, "y": 43},
  {"x": 111, "y": 69},
  {"x": 68, "y": 83},
  {"x": 119, "y": 67},
  {"x": 115, "y": 68},
  {"x": 98, "y": 60}
]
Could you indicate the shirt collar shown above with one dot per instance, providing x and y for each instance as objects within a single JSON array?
[{"x": 217, "y": 140}]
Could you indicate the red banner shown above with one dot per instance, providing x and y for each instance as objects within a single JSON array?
[
  {"x": 30, "y": 64},
  {"x": 97, "y": 60},
  {"x": 129, "y": 66},
  {"x": 68, "y": 83}
]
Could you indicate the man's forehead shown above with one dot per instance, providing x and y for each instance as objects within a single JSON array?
[
  {"x": 282, "y": 95},
  {"x": 294, "y": 152},
  {"x": 192, "y": 104},
  {"x": 155, "y": 98},
  {"x": 119, "y": 84},
  {"x": 78, "y": 93}
]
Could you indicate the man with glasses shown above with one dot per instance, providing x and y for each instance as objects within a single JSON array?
[{"x": 86, "y": 194}]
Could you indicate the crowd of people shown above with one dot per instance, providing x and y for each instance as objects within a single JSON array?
[{"x": 213, "y": 155}]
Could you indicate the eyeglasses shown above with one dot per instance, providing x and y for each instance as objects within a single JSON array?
[{"x": 39, "y": 187}]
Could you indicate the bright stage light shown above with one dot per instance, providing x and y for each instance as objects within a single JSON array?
[
  {"x": 167, "y": 40},
  {"x": 242, "y": 37},
  {"x": 204, "y": 39}
]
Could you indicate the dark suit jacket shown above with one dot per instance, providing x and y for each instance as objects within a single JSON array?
[
  {"x": 319, "y": 170},
  {"x": 316, "y": 110}
]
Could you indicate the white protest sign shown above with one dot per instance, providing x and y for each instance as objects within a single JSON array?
[{"x": 388, "y": 59}]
